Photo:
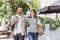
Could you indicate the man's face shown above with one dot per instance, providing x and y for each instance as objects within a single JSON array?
[{"x": 19, "y": 10}]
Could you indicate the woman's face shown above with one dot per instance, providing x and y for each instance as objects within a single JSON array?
[{"x": 32, "y": 13}]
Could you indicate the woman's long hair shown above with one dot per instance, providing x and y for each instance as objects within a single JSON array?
[{"x": 35, "y": 13}]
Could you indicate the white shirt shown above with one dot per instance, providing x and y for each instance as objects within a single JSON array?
[{"x": 20, "y": 25}]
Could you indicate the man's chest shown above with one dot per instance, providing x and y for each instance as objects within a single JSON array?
[{"x": 21, "y": 19}]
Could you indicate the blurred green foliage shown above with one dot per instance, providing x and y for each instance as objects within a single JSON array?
[
  {"x": 53, "y": 24},
  {"x": 15, "y": 3}
]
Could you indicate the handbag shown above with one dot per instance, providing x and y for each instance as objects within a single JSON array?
[{"x": 40, "y": 29}]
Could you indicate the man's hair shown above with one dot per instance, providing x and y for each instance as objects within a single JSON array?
[{"x": 20, "y": 7}]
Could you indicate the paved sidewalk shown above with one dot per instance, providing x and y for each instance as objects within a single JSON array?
[
  {"x": 7, "y": 39},
  {"x": 13, "y": 39}
]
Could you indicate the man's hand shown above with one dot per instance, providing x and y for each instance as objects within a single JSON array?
[
  {"x": 13, "y": 22},
  {"x": 16, "y": 20},
  {"x": 25, "y": 34}
]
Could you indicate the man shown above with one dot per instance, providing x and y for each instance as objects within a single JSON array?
[{"x": 18, "y": 21}]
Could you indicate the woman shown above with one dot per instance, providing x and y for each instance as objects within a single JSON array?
[{"x": 33, "y": 21}]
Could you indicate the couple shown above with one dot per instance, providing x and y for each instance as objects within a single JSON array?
[{"x": 19, "y": 21}]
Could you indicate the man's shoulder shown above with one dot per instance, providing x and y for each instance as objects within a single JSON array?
[{"x": 13, "y": 16}]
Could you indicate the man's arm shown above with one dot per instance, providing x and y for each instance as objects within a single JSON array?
[
  {"x": 13, "y": 20},
  {"x": 26, "y": 26}
]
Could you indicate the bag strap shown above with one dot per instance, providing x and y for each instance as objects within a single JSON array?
[
  {"x": 36, "y": 20},
  {"x": 15, "y": 16},
  {"x": 14, "y": 19}
]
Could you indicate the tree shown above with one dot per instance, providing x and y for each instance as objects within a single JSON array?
[
  {"x": 15, "y": 3},
  {"x": 34, "y": 4},
  {"x": 8, "y": 8},
  {"x": 0, "y": 3},
  {"x": 5, "y": 11}
]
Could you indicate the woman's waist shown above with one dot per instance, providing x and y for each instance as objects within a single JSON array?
[{"x": 33, "y": 30}]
